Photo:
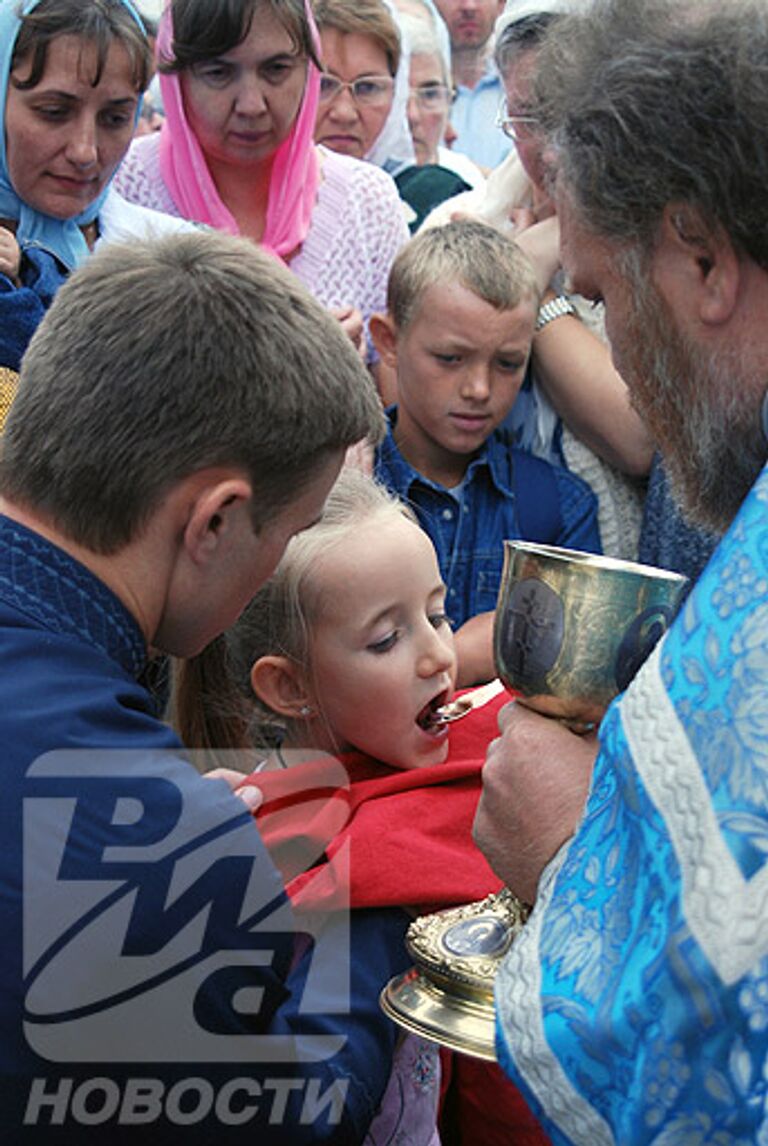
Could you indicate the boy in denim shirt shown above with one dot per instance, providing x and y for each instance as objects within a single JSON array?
[{"x": 462, "y": 305}]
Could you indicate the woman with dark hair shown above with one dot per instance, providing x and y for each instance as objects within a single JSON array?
[
  {"x": 72, "y": 73},
  {"x": 240, "y": 85}
]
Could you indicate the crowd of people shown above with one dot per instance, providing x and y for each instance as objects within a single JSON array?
[{"x": 260, "y": 428}]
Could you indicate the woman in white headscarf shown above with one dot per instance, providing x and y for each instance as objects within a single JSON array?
[{"x": 431, "y": 89}]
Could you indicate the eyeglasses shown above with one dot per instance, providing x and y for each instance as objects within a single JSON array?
[
  {"x": 433, "y": 97},
  {"x": 511, "y": 124},
  {"x": 368, "y": 91}
]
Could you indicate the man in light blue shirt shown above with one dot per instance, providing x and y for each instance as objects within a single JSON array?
[{"x": 479, "y": 90}]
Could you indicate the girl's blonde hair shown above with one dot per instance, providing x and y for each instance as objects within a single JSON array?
[{"x": 213, "y": 705}]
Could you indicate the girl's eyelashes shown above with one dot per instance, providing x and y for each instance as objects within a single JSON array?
[
  {"x": 384, "y": 644},
  {"x": 437, "y": 620}
]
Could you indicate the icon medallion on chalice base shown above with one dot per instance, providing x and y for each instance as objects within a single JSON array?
[{"x": 571, "y": 629}]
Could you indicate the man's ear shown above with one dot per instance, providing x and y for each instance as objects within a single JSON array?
[
  {"x": 384, "y": 336},
  {"x": 279, "y": 683},
  {"x": 217, "y": 508},
  {"x": 713, "y": 267}
]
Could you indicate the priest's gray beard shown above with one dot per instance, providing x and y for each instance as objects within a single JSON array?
[{"x": 700, "y": 408}]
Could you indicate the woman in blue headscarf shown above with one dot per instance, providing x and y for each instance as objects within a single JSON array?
[{"x": 72, "y": 73}]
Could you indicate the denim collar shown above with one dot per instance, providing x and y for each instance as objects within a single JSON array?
[{"x": 495, "y": 456}]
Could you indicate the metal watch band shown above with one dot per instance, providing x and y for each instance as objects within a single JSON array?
[{"x": 555, "y": 308}]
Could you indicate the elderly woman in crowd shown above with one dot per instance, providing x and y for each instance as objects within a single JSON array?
[
  {"x": 366, "y": 99},
  {"x": 431, "y": 91}
]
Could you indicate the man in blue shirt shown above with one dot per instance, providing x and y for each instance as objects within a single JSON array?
[
  {"x": 478, "y": 87},
  {"x": 462, "y": 303},
  {"x": 182, "y": 411}
]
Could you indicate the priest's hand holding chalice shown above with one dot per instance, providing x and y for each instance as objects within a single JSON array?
[{"x": 571, "y": 630}]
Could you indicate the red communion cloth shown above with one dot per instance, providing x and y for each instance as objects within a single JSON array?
[{"x": 353, "y": 832}]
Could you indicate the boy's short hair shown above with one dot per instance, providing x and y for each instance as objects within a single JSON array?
[
  {"x": 163, "y": 357},
  {"x": 477, "y": 255}
]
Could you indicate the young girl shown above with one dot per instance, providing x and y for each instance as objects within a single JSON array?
[{"x": 347, "y": 652}]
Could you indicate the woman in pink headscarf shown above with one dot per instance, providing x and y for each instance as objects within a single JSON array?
[{"x": 239, "y": 81}]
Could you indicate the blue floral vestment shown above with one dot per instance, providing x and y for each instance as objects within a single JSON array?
[{"x": 634, "y": 1007}]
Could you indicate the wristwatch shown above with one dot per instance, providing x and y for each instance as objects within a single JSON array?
[{"x": 555, "y": 308}]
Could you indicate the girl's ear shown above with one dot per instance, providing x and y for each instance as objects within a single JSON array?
[{"x": 279, "y": 683}]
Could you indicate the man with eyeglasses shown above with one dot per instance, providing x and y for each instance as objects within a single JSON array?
[
  {"x": 478, "y": 86},
  {"x": 519, "y": 32}
]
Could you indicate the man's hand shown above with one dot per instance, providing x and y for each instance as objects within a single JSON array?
[
  {"x": 251, "y": 796},
  {"x": 535, "y": 782}
]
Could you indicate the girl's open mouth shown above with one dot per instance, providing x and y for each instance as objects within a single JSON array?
[
  {"x": 441, "y": 711},
  {"x": 429, "y": 719}
]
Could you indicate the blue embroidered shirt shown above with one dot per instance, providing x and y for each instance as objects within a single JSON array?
[{"x": 101, "y": 809}]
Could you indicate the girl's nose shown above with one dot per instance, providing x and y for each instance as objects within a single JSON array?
[{"x": 437, "y": 653}]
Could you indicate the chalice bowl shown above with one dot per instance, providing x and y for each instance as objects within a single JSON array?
[{"x": 571, "y": 629}]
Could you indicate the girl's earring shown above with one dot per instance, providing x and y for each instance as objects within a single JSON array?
[{"x": 305, "y": 711}]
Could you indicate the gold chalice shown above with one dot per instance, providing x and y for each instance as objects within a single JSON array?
[{"x": 571, "y": 630}]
